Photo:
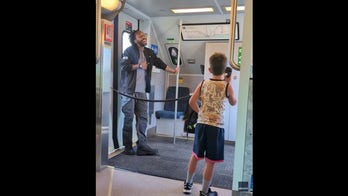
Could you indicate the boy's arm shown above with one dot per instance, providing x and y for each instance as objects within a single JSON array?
[
  {"x": 193, "y": 99},
  {"x": 231, "y": 96},
  {"x": 230, "y": 93}
]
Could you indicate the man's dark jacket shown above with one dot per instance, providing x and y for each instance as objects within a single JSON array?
[{"x": 128, "y": 76}]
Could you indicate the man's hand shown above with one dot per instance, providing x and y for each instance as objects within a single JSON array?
[
  {"x": 176, "y": 70},
  {"x": 143, "y": 65}
]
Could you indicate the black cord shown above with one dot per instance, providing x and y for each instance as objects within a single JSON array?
[{"x": 150, "y": 100}]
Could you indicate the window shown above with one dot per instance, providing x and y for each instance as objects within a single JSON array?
[{"x": 125, "y": 40}]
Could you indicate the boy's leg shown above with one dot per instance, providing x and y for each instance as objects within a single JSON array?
[
  {"x": 207, "y": 176},
  {"x": 191, "y": 170}
]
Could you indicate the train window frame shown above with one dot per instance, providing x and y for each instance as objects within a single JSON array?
[
  {"x": 173, "y": 59},
  {"x": 125, "y": 43}
]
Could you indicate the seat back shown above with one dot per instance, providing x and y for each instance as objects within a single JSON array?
[
  {"x": 182, "y": 103},
  {"x": 169, "y": 106}
]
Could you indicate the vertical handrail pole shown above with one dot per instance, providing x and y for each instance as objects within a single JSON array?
[
  {"x": 177, "y": 80},
  {"x": 233, "y": 64}
]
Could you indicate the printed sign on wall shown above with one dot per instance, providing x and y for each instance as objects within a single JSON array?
[
  {"x": 108, "y": 32},
  {"x": 128, "y": 26}
]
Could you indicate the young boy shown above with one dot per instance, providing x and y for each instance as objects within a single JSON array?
[{"x": 209, "y": 132}]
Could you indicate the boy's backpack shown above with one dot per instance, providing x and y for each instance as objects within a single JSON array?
[
  {"x": 190, "y": 118},
  {"x": 191, "y": 121}
]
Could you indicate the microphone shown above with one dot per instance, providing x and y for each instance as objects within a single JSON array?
[{"x": 228, "y": 72}]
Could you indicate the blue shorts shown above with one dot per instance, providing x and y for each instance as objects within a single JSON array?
[{"x": 209, "y": 143}]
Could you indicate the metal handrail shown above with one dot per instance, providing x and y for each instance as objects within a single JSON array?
[
  {"x": 233, "y": 64},
  {"x": 98, "y": 31}
]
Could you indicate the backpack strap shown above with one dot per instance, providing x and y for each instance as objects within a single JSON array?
[{"x": 200, "y": 89}]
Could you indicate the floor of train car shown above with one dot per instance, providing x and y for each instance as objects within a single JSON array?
[
  {"x": 111, "y": 181},
  {"x": 172, "y": 161}
]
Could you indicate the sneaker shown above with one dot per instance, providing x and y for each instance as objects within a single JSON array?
[
  {"x": 187, "y": 187},
  {"x": 201, "y": 193},
  {"x": 210, "y": 193},
  {"x": 129, "y": 151},
  {"x": 146, "y": 151}
]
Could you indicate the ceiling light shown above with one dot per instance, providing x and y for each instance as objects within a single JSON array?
[
  {"x": 192, "y": 10},
  {"x": 111, "y": 4},
  {"x": 239, "y": 8}
]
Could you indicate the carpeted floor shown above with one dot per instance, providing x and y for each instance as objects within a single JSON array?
[{"x": 172, "y": 162}]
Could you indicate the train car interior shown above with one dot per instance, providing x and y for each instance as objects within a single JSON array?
[{"x": 182, "y": 33}]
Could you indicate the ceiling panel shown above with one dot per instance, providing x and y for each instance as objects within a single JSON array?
[{"x": 156, "y": 8}]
